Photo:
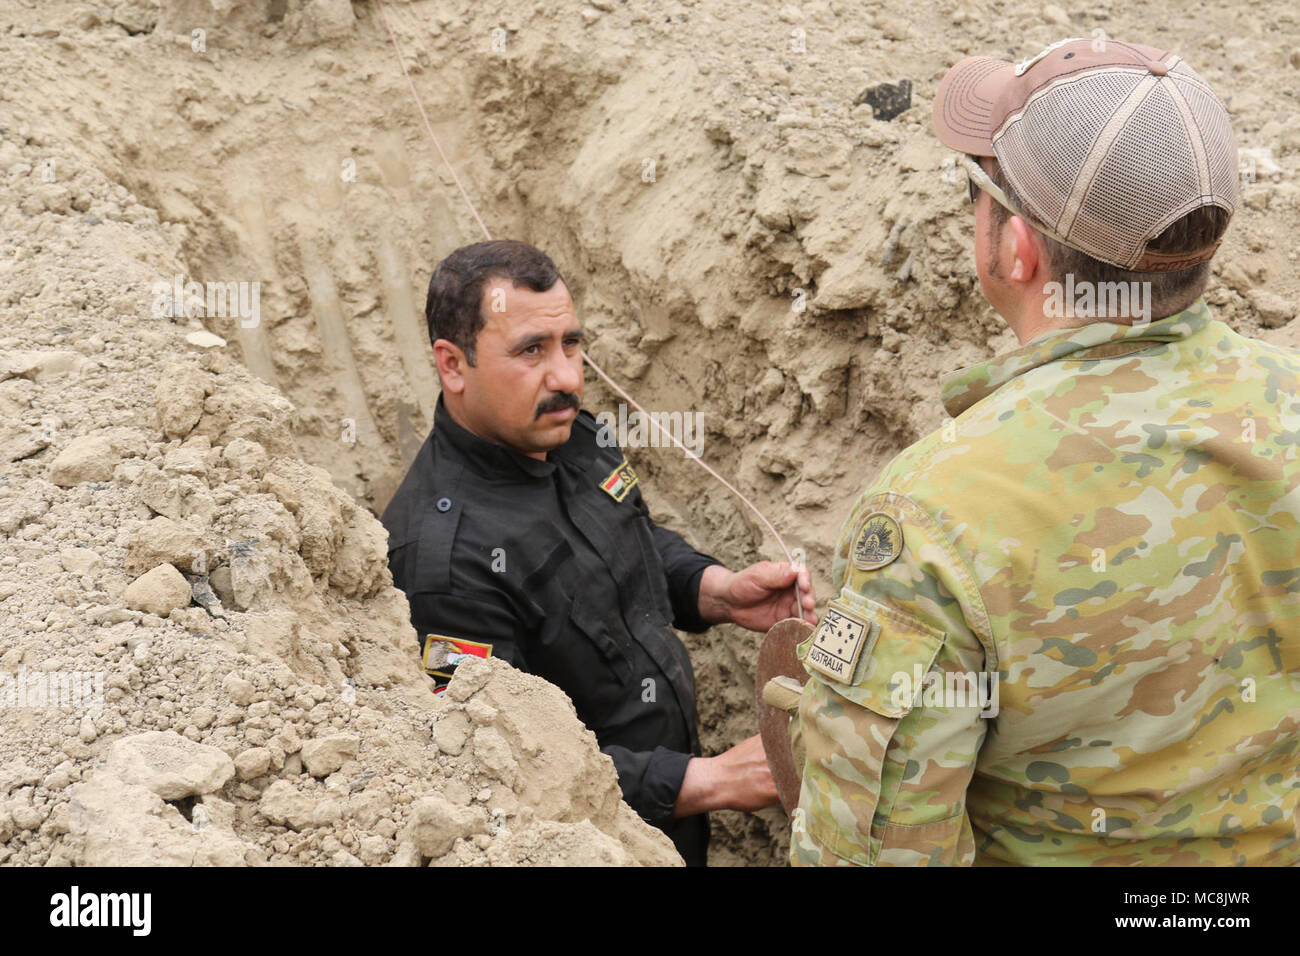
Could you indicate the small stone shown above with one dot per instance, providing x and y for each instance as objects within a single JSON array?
[
  {"x": 205, "y": 340},
  {"x": 327, "y": 813},
  {"x": 450, "y": 732},
  {"x": 88, "y": 458},
  {"x": 26, "y": 817},
  {"x": 16, "y": 774},
  {"x": 171, "y": 766},
  {"x": 284, "y": 805},
  {"x": 253, "y": 762},
  {"x": 436, "y": 824},
  {"x": 179, "y": 397},
  {"x": 325, "y": 755},
  {"x": 40, "y": 366},
  {"x": 136, "y": 17},
  {"x": 88, "y": 731},
  {"x": 240, "y": 690},
  {"x": 494, "y": 754},
  {"x": 79, "y": 560},
  {"x": 185, "y": 461},
  {"x": 1274, "y": 311},
  {"x": 116, "y": 615},
  {"x": 159, "y": 591},
  {"x": 18, "y": 441},
  {"x": 480, "y": 711},
  {"x": 325, "y": 20},
  {"x": 223, "y": 586},
  {"x": 1054, "y": 14},
  {"x": 245, "y": 456}
]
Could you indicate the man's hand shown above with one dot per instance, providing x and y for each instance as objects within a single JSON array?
[
  {"x": 757, "y": 597},
  {"x": 738, "y": 779}
]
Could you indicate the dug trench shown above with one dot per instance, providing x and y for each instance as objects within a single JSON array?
[{"x": 744, "y": 238}]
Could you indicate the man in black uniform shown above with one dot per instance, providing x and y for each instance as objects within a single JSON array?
[{"x": 520, "y": 529}]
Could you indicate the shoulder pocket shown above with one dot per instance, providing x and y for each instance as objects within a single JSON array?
[
  {"x": 897, "y": 652},
  {"x": 846, "y": 746}
]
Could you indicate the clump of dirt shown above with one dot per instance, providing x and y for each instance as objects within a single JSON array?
[{"x": 746, "y": 235}]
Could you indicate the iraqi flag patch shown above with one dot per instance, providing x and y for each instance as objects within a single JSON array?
[
  {"x": 620, "y": 481},
  {"x": 442, "y": 654}
]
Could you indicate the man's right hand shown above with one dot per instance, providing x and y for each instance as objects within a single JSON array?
[{"x": 738, "y": 779}]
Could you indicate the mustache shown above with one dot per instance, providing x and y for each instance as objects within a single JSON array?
[{"x": 558, "y": 402}]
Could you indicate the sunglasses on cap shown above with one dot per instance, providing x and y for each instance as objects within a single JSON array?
[{"x": 977, "y": 179}]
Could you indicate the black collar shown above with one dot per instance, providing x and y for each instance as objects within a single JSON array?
[{"x": 489, "y": 458}]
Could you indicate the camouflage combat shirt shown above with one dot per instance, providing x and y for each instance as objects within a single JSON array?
[{"x": 1067, "y": 628}]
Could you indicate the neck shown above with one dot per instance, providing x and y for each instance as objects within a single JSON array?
[
  {"x": 1067, "y": 305},
  {"x": 457, "y": 412}
]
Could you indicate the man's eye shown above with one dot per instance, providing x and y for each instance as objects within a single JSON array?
[{"x": 533, "y": 350}]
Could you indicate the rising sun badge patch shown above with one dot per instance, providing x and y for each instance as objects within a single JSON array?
[{"x": 879, "y": 541}]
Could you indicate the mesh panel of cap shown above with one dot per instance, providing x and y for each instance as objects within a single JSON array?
[{"x": 1147, "y": 176}]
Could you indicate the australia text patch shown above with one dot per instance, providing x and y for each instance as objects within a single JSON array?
[{"x": 838, "y": 641}]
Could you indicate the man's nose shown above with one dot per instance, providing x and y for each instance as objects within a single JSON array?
[{"x": 565, "y": 374}]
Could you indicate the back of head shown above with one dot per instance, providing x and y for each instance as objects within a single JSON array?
[{"x": 1120, "y": 155}]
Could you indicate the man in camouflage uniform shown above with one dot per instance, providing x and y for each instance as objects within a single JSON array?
[{"x": 1068, "y": 622}]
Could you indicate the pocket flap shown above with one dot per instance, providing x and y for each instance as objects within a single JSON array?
[
  {"x": 895, "y": 651},
  {"x": 592, "y": 625}
]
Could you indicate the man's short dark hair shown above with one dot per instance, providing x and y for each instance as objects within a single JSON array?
[
  {"x": 452, "y": 309},
  {"x": 1170, "y": 291}
]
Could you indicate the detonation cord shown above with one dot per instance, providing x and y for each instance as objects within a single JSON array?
[{"x": 645, "y": 417}]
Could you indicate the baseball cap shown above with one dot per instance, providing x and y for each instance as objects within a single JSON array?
[{"x": 1106, "y": 143}]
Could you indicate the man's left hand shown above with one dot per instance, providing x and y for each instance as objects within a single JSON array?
[{"x": 757, "y": 597}]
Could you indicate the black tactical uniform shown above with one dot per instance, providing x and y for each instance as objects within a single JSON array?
[{"x": 557, "y": 565}]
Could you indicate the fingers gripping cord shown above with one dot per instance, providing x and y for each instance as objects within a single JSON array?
[{"x": 397, "y": 47}]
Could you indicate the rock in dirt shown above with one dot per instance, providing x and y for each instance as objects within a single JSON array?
[
  {"x": 88, "y": 458},
  {"x": 169, "y": 765},
  {"x": 159, "y": 591},
  {"x": 322, "y": 757},
  {"x": 180, "y": 392},
  {"x": 436, "y": 824}
]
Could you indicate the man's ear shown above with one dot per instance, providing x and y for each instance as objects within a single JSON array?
[
  {"x": 1026, "y": 251},
  {"x": 451, "y": 364}
]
